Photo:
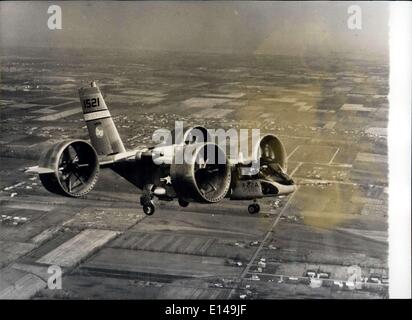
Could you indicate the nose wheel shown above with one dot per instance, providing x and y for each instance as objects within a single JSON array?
[
  {"x": 146, "y": 200},
  {"x": 253, "y": 208},
  {"x": 183, "y": 203},
  {"x": 149, "y": 208}
]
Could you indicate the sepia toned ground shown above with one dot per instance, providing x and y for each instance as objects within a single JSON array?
[{"x": 331, "y": 114}]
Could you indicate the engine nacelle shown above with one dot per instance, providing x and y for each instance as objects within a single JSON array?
[
  {"x": 270, "y": 150},
  {"x": 266, "y": 175},
  {"x": 75, "y": 167},
  {"x": 205, "y": 174}
]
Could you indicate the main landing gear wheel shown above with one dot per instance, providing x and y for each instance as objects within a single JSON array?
[
  {"x": 253, "y": 208},
  {"x": 183, "y": 203},
  {"x": 149, "y": 208}
]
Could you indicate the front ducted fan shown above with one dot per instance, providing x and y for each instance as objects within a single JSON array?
[{"x": 204, "y": 176}]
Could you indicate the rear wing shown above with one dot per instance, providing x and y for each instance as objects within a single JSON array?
[
  {"x": 118, "y": 157},
  {"x": 104, "y": 161}
]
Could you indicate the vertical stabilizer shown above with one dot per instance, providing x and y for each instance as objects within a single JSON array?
[{"x": 102, "y": 131}]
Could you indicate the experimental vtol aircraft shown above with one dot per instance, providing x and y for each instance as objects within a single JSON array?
[{"x": 71, "y": 168}]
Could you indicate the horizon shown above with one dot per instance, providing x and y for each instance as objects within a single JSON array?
[{"x": 272, "y": 28}]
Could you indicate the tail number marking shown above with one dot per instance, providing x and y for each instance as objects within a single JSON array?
[{"x": 91, "y": 103}]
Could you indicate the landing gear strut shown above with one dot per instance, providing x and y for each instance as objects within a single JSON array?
[
  {"x": 146, "y": 200},
  {"x": 253, "y": 208}
]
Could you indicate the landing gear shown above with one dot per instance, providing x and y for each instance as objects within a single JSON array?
[
  {"x": 146, "y": 200},
  {"x": 149, "y": 208},
  {"x": 253, "y": 208},
  {"x": 183, "y": 203}
]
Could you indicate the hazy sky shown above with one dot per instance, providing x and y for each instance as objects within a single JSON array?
[{"x": 247, "y": 27}]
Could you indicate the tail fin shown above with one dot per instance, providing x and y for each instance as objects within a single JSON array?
[{"x": 102, "y": 131}]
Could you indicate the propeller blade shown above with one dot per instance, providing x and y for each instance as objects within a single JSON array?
[
  {"x": 213, "y": 187},
  {"x": 79, "y": 178},
  {"x": 65, "y": 158},
  {"x": 72, "y": 152},
  {"x": 206, "y": 190},
  {"x": 69, "y": 187},
  {"x": 83, "y": 165}
]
